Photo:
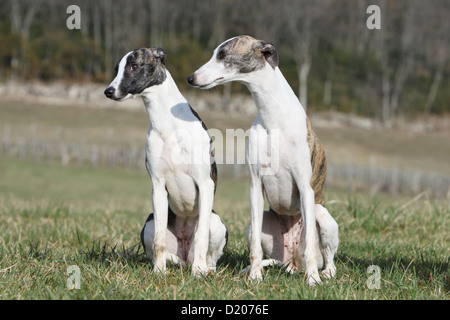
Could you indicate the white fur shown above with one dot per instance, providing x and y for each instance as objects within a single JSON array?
[
  {"x": 278, "y": 110},
  {"x": 217, "y": 240},
  {"x": 175, "y": 139},
  {"x": 329, "y": 240},
  {"x": 276, "y": 243},
  {"x": 166, "y": 144},
  {"x": 120, "y": 71}
]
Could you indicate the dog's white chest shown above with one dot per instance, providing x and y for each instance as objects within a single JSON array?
[
  {"x": 279, "y": 154},
  {"x": 175, "y": 158}
]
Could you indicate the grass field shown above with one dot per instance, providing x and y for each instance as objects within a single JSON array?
[
  {"x": 117, "y": 127},
  {"x": 53, "y": 217}
]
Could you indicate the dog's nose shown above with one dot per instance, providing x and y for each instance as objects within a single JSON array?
[
  {"x": 190, "y": 79},
  {"x": 109, "y": 92}
]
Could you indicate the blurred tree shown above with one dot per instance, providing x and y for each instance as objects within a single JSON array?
[
  {"x": 326, "y": 51},
  {"x": 301, "y": 17}
]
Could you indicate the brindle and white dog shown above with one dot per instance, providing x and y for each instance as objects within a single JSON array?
[
  {"x": 183, "y": 228},
  {"x": 287, "y": 233}
]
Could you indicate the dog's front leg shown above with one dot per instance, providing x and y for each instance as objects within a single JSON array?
[
  {"x": 256, "y": 219},
  {"x": 160, "y": 207},
  {"x": 201, "y": 240},
  {"x": 309, "y": 221}
]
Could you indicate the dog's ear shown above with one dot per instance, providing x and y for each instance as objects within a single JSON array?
[
  {"x": 270, "y": 53},
  {"x": 160, "y": 54}
]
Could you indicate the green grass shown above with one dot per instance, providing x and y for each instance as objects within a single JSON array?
[{"x": 52, "y": 217}]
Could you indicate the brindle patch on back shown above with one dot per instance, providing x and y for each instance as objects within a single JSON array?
[
  {"x": 318, "y": 163},
  {"x": 213, "y": 172}
]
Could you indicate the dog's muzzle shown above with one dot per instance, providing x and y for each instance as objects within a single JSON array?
[
  {"x": 109, "y": 92},
  {"x": 191, "y": 80}
]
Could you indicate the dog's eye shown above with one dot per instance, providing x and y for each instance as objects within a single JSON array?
[
  {"x": 221, "y": 55},
  {"x": 134, "y": 67}
]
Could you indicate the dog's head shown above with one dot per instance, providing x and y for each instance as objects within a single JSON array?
[
  {"x": 136, "y": 71},
  {"x": 235, "y": 60}
]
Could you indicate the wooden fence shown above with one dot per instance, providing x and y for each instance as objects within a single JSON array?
[{"x": 351, "y": 177}]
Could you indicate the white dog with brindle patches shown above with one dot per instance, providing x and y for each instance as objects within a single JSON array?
[
  {"x": 183, "y": 228},
  {"x": 287, "y": 233}
]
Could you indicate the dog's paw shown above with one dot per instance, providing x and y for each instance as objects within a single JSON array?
[
  {"x": 256, "y": 274},
  {"x": 199, "y": 270},
  {"x": 313, "y": 278},
  {"x": 160, "y": 269},
  {"x": 329, "y": 272}
]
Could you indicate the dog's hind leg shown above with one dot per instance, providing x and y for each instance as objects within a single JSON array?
[
  {"x": 147, "y": 239},
  {"x": 329, "y": 239},
  {"x": 218, "y": 238}
]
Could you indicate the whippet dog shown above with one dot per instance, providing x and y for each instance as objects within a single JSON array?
[
  {"x": 287, "y": 232},
  {"x": 179, "y": 159}
]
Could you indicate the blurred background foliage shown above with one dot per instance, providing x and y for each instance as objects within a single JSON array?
[{"x": 327, "y": 53}]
